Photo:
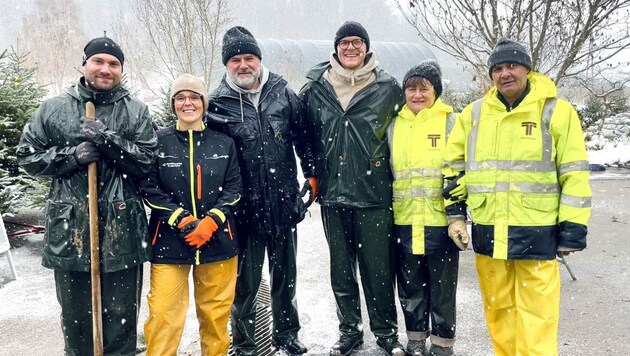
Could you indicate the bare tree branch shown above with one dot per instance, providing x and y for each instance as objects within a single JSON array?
[
  {"x": 168, "y": 38},
  {"x": 566, "y": 38},
  {"x": 54, "y": 39}
]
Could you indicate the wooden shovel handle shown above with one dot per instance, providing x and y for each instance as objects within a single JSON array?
[{"x": 95, "y": 267}]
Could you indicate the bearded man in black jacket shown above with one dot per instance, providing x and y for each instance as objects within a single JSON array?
[{"x": 265, "y": 118}]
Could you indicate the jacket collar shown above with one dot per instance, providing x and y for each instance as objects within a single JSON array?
[
  {"x": 541, "y": 87},
  {"x": 264, "y": 77},
  {"x": 438, "y": 106},
  {"x": 224, "y": 89},
  {"x": 81, "y": 92},
  {"x": 352, "y": 77}
]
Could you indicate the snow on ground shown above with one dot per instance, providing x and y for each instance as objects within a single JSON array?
[
  {"x": 611, "y": 153},
  {"x": 29, "y": 304}
]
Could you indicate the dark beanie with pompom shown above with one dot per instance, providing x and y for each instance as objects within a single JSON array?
[{"x": 429, "y": 70}]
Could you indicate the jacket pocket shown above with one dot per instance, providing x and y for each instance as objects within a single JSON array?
[
  {"x": 61, "y": 230},
  {"x": 538, "y": 210},
  {"x": 280, "y": 130},
  {"x": 438, "y": 205},
  {"x": 125, "y": 228},
  {"x": 540, "y": 203},
  {"x": 476, "y": 204}
]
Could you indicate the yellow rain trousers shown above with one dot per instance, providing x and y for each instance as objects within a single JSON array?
[
  {"x": 214, "y": 286},
  {"x": 521, "y": 301}
]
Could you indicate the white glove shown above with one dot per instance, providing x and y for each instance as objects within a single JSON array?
[{"x": 457, "y": 231}]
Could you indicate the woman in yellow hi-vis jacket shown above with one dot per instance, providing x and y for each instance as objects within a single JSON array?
[
  {"x": 526, "y": 175},
  {"x": 191, "y": 190},
  {"x": 426, "y": 258}
]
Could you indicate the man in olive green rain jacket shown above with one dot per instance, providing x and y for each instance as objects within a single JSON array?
[
  {"x": 350, "y": 102},
  {"x": 59, "y": 143}
]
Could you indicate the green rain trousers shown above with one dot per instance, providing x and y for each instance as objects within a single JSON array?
[
  {"x": 282, "y": 250},
  {"x": 363, "y": 237},
  {"x": 427, "y": 286},
  {"x": 120, "y": 300}
]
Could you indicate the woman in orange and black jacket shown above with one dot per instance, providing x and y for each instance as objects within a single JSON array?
[{"x": 192, "y": 190}]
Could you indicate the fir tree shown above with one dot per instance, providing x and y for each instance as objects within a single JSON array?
[
  {"x": 162, "y": 114},
  {"x": 20, "y": 96}
]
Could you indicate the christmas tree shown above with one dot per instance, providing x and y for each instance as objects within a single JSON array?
[{"x": 20, "y": 96}]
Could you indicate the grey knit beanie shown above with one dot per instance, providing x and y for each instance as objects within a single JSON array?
[
  {"x": 191, "y": 83},
  {"x": 429, "y": 70},
  {"x": 508, "y": 51},
  {"x": 238, "y": 40}
]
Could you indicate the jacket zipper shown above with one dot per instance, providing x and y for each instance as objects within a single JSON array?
[
  {"x": 192, "y": 183},
  {"x": 198, "y": 181},
  {"x": 157, "y": 229}
]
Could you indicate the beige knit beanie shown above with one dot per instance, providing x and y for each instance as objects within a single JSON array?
[{"x": 191, "y": 83}]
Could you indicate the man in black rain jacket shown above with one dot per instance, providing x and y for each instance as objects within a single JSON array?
[{"x": 265, "y": 118}]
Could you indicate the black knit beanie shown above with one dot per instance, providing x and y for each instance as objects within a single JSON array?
[
  {"x": 508, "y": 51},
  {"x": 238, "y": 40},
  {"x": 352, "y": 28},
  {"x": 429, "y": 70},
  {"x": 103, "y": 45}
]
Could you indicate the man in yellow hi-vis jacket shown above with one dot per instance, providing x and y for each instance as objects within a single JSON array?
[{"x": 519, "y": 155}]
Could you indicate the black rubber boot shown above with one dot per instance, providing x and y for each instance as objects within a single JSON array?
[
  {"x": 436, "y": 350},
  {"x": 416, "y": 348},
  {"x": 290, "y": 346},
  {"x": 345, "y": 346},
  {"x": 391, "y": 347}
]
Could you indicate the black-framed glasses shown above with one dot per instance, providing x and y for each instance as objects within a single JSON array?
[{"x": 343, "y": 44}]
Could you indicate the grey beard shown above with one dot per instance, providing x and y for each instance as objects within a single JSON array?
[{"x": 245, "y": 83}]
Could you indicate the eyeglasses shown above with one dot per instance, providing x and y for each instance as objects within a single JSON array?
[
  {"x": 343, "y": 44},
  {"x": 194, "y": 98}
]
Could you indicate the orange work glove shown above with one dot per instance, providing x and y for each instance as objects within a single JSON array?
[
  {"x": 185, "y": 221},
  {"x": 312, "y": 181},
  {"x": 198, "y": 232}
]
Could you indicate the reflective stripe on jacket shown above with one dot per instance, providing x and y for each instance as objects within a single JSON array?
[
  {"x": 417, "y": 143},
  {"x": 526, "y": 171}
]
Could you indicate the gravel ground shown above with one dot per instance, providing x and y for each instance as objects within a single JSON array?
[{"x": 595, "y": 309}]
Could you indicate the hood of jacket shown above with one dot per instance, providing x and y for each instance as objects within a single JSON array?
[{"x": 541, "y": 87}]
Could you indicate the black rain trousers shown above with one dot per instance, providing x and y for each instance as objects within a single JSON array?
[
  {"x": 282, "y": 251},
  {"x": 362, "y": 237},
  {"x": 427, "y": 286},
  {"x": 120, "y": 300}
]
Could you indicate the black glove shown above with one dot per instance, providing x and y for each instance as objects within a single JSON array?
[
  {"x": 456, "y": 189},
  {"x": 86, "y": 152},
  {"x": 90, "y": 128}
]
